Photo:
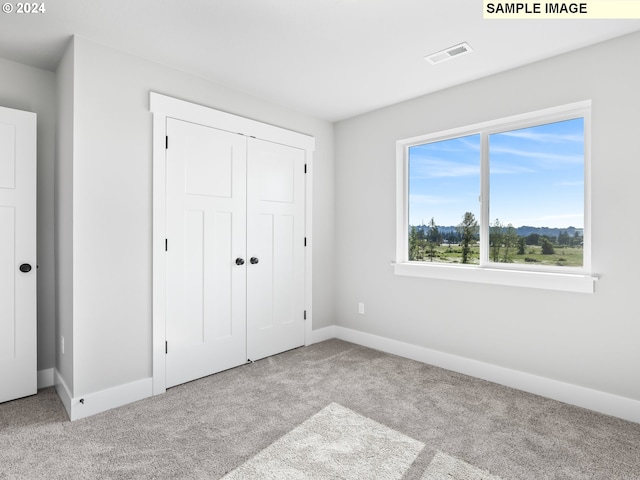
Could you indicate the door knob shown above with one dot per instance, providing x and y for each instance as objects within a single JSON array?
[
  {"x": 25, "y": 268},
  {"x": 254, "y": 260},
  {"x": 239, "y": 261}
]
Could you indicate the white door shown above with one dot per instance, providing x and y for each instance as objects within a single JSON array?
[
  {"x": 205, "y": 257},
  {"x": 18, "y": 342},
  {"x": 275, "y": 248}
]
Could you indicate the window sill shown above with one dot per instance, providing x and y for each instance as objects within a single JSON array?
[{"x": 516, "y": 278}]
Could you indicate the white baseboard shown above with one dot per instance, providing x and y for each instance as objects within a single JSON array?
[
  {"x": 621, "y": 407},
  {"x": 609, "y": 404},
  {"x": 63, "y": 391},
  {"x": 45, "y": 378},
  {"x": 93, "y": 403},
  {"x": 322, "y": 334}
]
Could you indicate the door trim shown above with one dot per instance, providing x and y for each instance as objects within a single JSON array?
[{"x": 163, "y": 107}]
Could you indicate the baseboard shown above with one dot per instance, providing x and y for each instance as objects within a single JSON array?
[
  {"x": 97, "y": 402},
  {"x": 609, "y": 404},
  {"x": 621, "y": 407},
  {"x": 45, "y": 378},
  {"x": 322, "y": 334},
  {"x": 93, "y": 403}
]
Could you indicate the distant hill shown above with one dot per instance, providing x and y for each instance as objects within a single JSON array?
[
  {"x": 523, "y": 231},
  {"x": 549, "y": 232}
]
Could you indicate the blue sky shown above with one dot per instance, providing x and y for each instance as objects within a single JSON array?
[{"x": 536, "y": 177}]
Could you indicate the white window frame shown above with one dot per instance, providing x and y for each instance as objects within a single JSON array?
[{"x": 573, "y": 279}]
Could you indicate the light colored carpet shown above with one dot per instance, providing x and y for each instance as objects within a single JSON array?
[
  {"x": 335, "y": 443},
  {"x": 207, "y": 428},
  {"x": 446, "y": 467}
]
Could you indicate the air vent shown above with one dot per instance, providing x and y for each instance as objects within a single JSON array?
[{"x": 448, "y": 53}]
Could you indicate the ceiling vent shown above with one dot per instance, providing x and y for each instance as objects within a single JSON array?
[{"x": 448, "y": 53}]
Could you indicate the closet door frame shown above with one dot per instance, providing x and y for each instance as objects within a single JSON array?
[{"x": 163, "y": 107}]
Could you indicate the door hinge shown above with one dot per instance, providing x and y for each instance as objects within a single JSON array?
[
  {"x": 166, "y": 347},
  {"x": 305, "y": 314},
  {"x": 305, "y": 241},
  {"x": 166, "y": 142},
  {"x": 166, "y": 245},
  {"x": 305, "y": 168}
]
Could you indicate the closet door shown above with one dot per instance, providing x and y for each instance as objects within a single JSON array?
[
  {"x": 275, "y": 248},
  {"x": 18, "y": 343},
  {"x": 206, "y": 234}
]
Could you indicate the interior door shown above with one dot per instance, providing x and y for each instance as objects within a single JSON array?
[
  {"x": 275, "y": 248},
  {"x": 18, "y": 342},
  {"x": 206, "y": 232}
]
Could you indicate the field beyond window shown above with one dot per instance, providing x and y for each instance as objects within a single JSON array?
[{"x": 531, "y": 211}]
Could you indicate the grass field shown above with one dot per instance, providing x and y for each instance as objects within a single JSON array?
[{"x": 563, "y": 256}]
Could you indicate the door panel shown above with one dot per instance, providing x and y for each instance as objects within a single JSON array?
[
  {"x": 204, "y": 176},
  {"x": 284, "y": 274},
  {"x": 206, "y": 232},
  {"x": 18, "y": 347},
  {"x": 192, "y": 331},
  {"x": 7, "y": 155},
  {"x": 260, "y": 294},
  {"x": 7, "y": 280},
  {"x": 275, "y": 236},
  {"x": 220, "y": 276}
]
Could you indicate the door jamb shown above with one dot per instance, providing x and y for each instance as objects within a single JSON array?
[{"x": 163, "y": 107}]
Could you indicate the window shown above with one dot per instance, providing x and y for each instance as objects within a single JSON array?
[
  {"x": 502, "y": 200},
  {"x": 444, "y": 186}
]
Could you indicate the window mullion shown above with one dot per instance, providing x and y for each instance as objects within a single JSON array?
[{"x": 484, "y": 199}]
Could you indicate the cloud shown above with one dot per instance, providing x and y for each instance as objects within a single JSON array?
[
  {"x": 538, "y": 155},
  {"x": 510, "y": 169},
  {"x": 418, "y": 199},
  {"x": 438, "y": 168},
  {"x": 471, "y": 145},
  {"x": 467, "y": 144},
  {"x": 576, "y": 183},
  {"x": 531, "y": 134}
]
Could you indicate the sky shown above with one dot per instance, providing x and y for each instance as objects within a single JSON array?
[{"x": 536, "y": 177}]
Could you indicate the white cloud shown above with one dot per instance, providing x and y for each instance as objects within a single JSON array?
[
  {"x": 537, "y": 155},
  {"x": 421, "y": 199},
  {"x": 437, "y": 168},
  {"x": 576, "y": 183},
  {"x": 530, "y": 134}
]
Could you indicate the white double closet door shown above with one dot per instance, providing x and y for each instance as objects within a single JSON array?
[{"x": 235, "y": 244}]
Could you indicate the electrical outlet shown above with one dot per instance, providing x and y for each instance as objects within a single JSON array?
[
  {"x": 61, "y": 344},
  {"x": 361, "y": 308}
]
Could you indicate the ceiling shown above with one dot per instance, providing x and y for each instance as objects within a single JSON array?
[{"x": 332, "y": 59}]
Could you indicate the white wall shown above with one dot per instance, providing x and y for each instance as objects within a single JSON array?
[
  {"x": 33, "y": 90},
  {"x": 581, "y": 339},
  {"x": 64, "y": 221},
  {"x": 112, "y": 206}
]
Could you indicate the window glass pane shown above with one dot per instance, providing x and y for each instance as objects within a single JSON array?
[
  {"x": 537, "y": 195},
  {"x": 444, "y": 185}
]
